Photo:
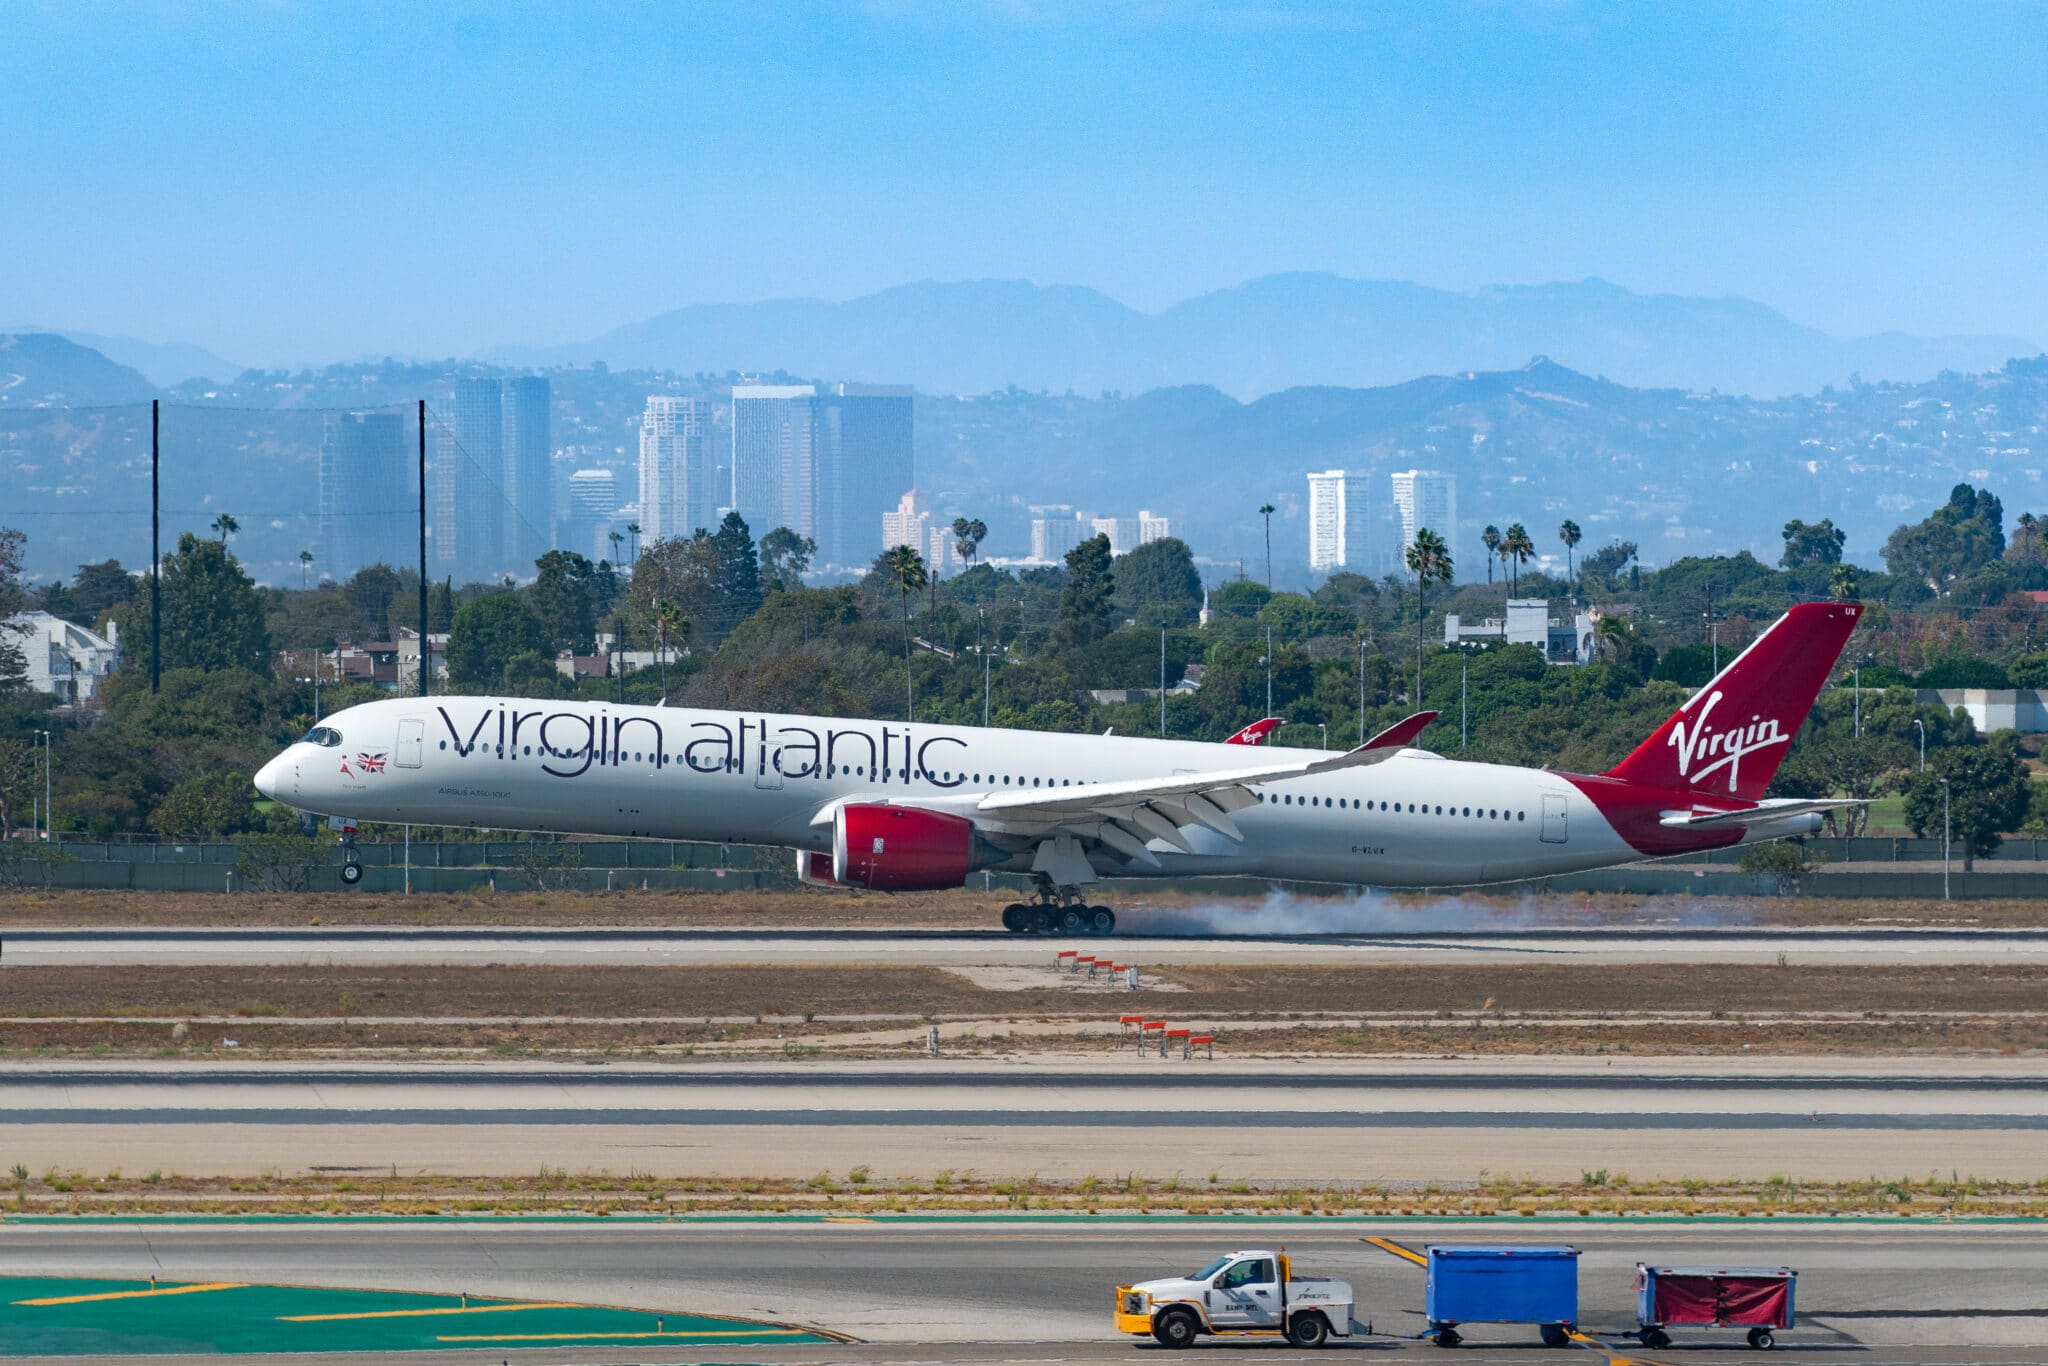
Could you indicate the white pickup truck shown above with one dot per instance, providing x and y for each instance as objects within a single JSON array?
[{"x": 1240, "y": 1294}]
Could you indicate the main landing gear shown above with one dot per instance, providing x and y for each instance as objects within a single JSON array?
[{"x": 1057, "y": 910}]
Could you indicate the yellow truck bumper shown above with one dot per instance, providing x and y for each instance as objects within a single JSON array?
[{"x": 1139, "y": 1324}]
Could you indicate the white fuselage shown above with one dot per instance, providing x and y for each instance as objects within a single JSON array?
[{"x": 745, "y": 778}]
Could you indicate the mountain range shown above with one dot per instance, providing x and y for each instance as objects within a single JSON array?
[{"x": 1269, "y": 334}]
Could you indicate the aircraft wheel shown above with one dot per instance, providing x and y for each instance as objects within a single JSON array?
[
  {"x": 1016, "y": 917},
  {"x": 1102, "y": 920},
  {"x": 1045, "y": 919},
  {"x": 1073, "y": 920},
  {"x": 351, "y": 873}
]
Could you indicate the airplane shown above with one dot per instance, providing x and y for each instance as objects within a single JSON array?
[{"x": 902, "y": 806}]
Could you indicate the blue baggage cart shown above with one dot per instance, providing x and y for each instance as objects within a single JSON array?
[{"x": 1536, "y": 1285}]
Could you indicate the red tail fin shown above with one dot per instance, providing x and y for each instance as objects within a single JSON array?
[
  {"x": 1257, "y": 732},
  {"x": 1730, "y": 737}
]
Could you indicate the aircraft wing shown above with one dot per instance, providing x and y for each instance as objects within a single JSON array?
[
  {"x": 1764, "y": 813},
  {"x": 1127, "y": 815}
]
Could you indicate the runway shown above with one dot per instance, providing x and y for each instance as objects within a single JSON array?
[
  {"x": 1359, "y": 1121},
  {"x": 982, "y": 1289},
  {"x": 639, "y": 946}
]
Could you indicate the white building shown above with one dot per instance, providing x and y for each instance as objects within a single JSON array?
[
  {"x": 1128, "y": 533},
  {"x": 1337, "y": 510},
  {"x": 1528, "y": 622},
  {"x": 64, "y": 659},
  {"x": 1427, "y": 498},
  {"x": 675, "y": 481},
  {"x": 913, "y": 524}
]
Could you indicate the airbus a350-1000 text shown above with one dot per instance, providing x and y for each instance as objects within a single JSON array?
[{"x": 898, "y": 806}]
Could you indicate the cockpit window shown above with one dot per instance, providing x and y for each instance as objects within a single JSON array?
[{"x": 327, "y": 737}]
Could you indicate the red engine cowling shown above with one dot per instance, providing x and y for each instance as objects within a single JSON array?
[
  {"x": 901, "y": 848},
  {"x": 815, "y": 869}
]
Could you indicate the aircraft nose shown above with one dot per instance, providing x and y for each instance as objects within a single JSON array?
[{"x": 270, "y": 778}]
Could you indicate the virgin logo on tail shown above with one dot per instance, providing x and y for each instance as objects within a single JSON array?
[{"x": 1724, "y": 748}]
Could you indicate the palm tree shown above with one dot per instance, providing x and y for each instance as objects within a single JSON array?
[
  {"x": 615, "y": 538},
  {"x": 967, "y": 538},
  {"x": 904, "y": 567},
  {"x": 1611, "y": 637},
  {"x": 1490, "y": 538},
  {"x": 1428, "y": 559},
  {"x": 226, "y": 526},
  {"x": 633, "y": 530},
  {"x": 1266, "y": 511},
  {"x": 1569, "y": 533},
  {"x": 671, "y": 629},
  {"x": 305, "y": 563},
  {"x": 1842, "y": 582},
  {"x": 1517, "y": 548}
]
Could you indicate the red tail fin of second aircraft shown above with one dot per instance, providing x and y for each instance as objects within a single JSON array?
[{"x": 1730, "y": 737}]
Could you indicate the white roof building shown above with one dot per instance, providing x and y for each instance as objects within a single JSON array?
[{"x": 64, "y": 659}]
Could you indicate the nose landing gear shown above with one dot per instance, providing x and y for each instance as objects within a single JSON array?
[
  {"x": 1058, "y": 910},
  {"x": 351, "y": 866}
]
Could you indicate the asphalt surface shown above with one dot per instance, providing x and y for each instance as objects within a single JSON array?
[
  {"x": 1292, "y": 937},
  {"x": 986, "y": 1290},
  {"x": 1361, "y": 1121}
]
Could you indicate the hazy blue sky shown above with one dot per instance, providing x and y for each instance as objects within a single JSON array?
[{"x": 284, "y": 181}]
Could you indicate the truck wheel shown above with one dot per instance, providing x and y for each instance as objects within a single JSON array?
[
  {"x": 1555, "y": 1335},
  {"x": 351, "y": 873},
  {"x": 1447, "y": 1337},
  {"x": 1308, "y": 1330},
  {"x": 1761, "y": 1339},
  {"x": 1175, "y": 1328}
]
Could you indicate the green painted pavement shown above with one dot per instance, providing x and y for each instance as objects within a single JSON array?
[{"x": 75, "y": 1317}]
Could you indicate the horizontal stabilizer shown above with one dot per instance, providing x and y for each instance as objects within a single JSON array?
[{"x": 1768, "y": 813}]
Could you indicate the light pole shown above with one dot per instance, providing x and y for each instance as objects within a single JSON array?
[
  {"x": 1461, "y": 701},
  {"x": 49, "y": 826},
  {"x": 981, "y": 622},
  {"x": 1268, "y": 662},
  {"x": 1326, "y": 733},
  {"x": 315, "y": 681},
  {"x": 1921, "y": 726},
  {"x": 1162, "y": 682},
  {"x": 1944, "y": 839},
  {"x": 1856, "y": 674},
  {"x": 1361, "y": 689}
]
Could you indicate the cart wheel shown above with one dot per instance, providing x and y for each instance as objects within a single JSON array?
[
  {"x": 1448, "y": 1337},
  {"x": 1761, "y": 1339},
  {"x": 1656, "y": 1339},
  {"x": 1554, "y": 1335}
]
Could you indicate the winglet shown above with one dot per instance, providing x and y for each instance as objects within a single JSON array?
[
  {"x": 1398, "y": 735},
  {"x": 1258, "y": 731}
]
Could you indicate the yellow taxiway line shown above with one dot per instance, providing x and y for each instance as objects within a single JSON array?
[
  {"x": 422, "y": 1313},
  {"x": 135, "y": 1294}
]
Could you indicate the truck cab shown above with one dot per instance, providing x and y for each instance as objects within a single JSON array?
[{"x": 1248, "y": 1293}]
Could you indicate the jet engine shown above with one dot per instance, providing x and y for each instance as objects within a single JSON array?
[
  {"x": 814, "y": 869},
  {"x": 901, "y": 848}
]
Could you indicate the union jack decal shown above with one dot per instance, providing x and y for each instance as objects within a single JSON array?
[{"x": 371, "y": 763}]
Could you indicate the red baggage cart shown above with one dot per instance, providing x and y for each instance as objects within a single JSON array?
[{"x": 1759, "y": 1298}]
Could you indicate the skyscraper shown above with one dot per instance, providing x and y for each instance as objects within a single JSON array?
[
  {"x": 775, "y": 450},
  {"x": 912, "y": 523},
  {"x": 1427, "y": 498},
  {"x": 675, "y": 487},
  {"x": 528, "y": 482},
  {"x": 1337, "y": 511},
  {"x": 867, "y": 463},
  {"x": 366, "y": 493},
  {"x": 593, "y": 501},
  {"x": 479, "y": 491}
]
